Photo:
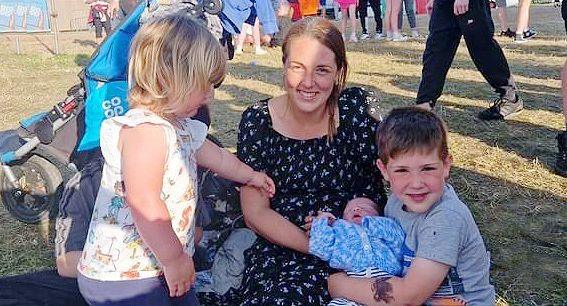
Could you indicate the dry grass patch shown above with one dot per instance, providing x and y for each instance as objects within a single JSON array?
[{"x": 502, "y": 169}]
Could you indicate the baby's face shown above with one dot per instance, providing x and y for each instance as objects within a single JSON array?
[{"x": 358, "y": 208}]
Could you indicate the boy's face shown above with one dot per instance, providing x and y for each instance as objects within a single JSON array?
[
  {"x": 358, "y": 208},
  {"x": 417, "y": 178}
]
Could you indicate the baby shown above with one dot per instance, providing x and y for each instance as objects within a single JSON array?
[{"x": 361, "y": 243}]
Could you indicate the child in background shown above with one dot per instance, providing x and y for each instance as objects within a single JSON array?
[
  {"x": 408, "y": 5},
  {"x": 445, "y": 260},
  {"x": 362, "y": 243},
  {"x": 348, "y": 11},
  {"x": 140, "y": 241},
  {"x": 100, "y": 14},
  {"x": 363, "y": 12},
  {"x": 393, "y": 8}
]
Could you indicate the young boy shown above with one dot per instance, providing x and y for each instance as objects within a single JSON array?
[{"x": 445, "y": 260}]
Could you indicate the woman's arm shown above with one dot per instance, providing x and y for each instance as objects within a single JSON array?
[
  {"x": 422, "y": 280},
  {"x": 267, "y": 223}
]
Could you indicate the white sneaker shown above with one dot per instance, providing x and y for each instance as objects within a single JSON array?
[
  {"x": 389, "y": 36},
  {"x": 399, "y": 37},
  {"x": 414, "y": 34},
  {"x": 260, "y": 51},
  {"x": 353, "y": 38},
  {"x": 364, "y": 36},
  {"x": 379, "y": 36}
]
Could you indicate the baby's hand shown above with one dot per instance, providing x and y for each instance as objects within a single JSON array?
[
  {"x": 321, "y": 214},
  {"x": 262, "y": 181}
]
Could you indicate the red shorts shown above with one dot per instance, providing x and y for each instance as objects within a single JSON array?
[{"x": 296, "y": 11}]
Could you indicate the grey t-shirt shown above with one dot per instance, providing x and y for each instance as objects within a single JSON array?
[{"x": 447, "y": 234}]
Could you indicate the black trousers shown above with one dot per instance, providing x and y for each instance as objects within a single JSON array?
[
  {"x": 564, "y": 13},
  {"x": 445, "y": 31},
  {"x": 44, "y": 288},
  {"x": 363, "y": 12}
]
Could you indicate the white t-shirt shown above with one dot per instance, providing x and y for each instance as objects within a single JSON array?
[{"x": 114, "y": 249}]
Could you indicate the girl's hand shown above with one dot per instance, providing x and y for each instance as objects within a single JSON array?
[
  {"x": 179, "y": 275},
  {"x": 262, "y": 181}
]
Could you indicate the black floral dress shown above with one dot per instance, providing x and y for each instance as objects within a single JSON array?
[{"x": 310, "y": 175}]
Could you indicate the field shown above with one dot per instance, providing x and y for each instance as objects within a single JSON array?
[{"x": 503, "y": 170}]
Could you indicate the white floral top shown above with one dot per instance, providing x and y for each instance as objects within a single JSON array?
[{"x": 114, "y": 249}]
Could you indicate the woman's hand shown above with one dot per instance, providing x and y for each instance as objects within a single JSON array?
[
  {"x": 179, "y": 275},
  {"x": 262, "y": 181}
]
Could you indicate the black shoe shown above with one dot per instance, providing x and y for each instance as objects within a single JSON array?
[
  {"x": 561, "y": 163},
  {"x": 529, "y": 34},
  {"x": 508, "y": 33},
  {"x": 501, "y": 109}
]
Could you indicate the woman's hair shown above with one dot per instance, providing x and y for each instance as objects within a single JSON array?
[
  {"x": 411, "y": 129},
  {"x": 329, "y": 36},
  {"x": 171, "y": 57}
]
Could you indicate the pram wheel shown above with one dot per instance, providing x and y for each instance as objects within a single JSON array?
[
  {"x": 38, "y": 194},
  {"x": 213, "y": 7}
]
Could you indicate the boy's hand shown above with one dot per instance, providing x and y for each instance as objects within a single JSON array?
[
  {"x": 179, "y": 275},
  {"x": 262, "y": 181},
  {"x": 461, "y": 7}
]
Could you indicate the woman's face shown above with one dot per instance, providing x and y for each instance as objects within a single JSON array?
[{"x": 310, "y": 73}]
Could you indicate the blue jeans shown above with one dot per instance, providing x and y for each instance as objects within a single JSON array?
[{"x": 410, "y": 12}]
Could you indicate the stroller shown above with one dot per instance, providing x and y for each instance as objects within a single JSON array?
[{"x": 40, "y": 156}]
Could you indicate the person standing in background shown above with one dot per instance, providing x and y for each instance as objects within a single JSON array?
[{"x": 363, "y": 12}]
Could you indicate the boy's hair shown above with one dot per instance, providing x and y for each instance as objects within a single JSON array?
[
  {"x": 410, "y": 129},
  {"x": 171, "y": 57}
]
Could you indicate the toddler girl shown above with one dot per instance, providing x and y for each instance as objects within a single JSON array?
[
  {"x": 140, "y": 240},
  {"x": 348, "y": 10}
]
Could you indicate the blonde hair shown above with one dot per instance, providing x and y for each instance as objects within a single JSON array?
[
  {"x": 329, "y": 36},
  {"x": 171, "y": 57}
]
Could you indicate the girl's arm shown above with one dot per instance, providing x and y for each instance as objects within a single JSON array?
[
  {"x": 422, "y": 280},
  {"x": 143, "y": 150},
  {"x": 230, "y": 167},
  {"x": 267, "y": 223}
]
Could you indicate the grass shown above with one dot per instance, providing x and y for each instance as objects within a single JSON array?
[{"x": 503, "y": 170}]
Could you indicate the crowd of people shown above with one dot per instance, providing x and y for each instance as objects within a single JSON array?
[{"x": 315, "y": 152}]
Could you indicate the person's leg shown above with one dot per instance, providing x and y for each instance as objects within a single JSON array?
[
  {"x": 523, "y": 31},
  {"x": 440, "y": 48},
  {"x": 344, "y": 17},
  {"x": 489, "y": 60},
  {"x": 98, "y": 29},
  {"x": 256, "y": 36},
  {"x": 45, "y": 288},
  {"x": 410, "y": 13},
  {"x": 561, "y": 162},
  {"x": 352, "y": 18},
  {"x": 107, "y": 27},
  {"x": 396, "y": 7},
  {"x": 387, "y": 18},
  {"x": 362, "y": 13},
  {"x": 375, "y": 5},
  {"x": 564, "y": 13},
  {"x": 401, "y": 14}
]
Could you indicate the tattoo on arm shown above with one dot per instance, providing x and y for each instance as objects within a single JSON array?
[{"x": 382, "y": 290}]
